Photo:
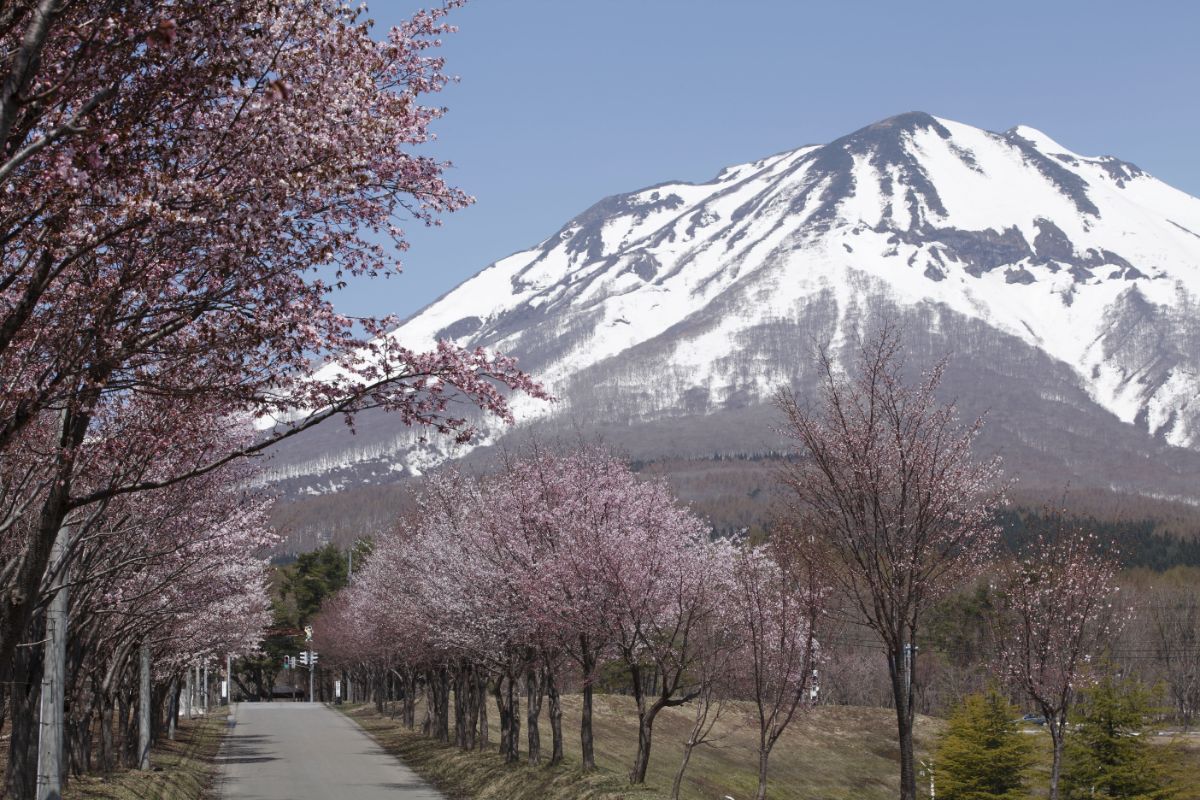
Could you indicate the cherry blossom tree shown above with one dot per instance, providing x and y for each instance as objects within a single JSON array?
[
  {"x": 1055, "y": 618},
  {"x": 175, "y": 571},
  {"x": 173, "y": 175},
  {"x": 899, "y": 508},
  {"x": 715, "y": 674},
  {"x": 780, "y": 605},
  {"x": 557, "y": 557}
]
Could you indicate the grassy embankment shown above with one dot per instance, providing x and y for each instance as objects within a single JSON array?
[
  {"x": 834, "y": 753},
  {"x": 183, "y": 769}
]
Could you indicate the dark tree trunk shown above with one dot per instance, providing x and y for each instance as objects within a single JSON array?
[
  {"x": 173, "y": 705},
  {"x": 129, "y": 732},
  {"x": 471, "y": 707},
  {"x": 502, "y": 713},
  {"x": 587, "y": 744},
  {"x": 410, "y": 699},
  {"x": 108, "y": 753},
  {"x": 1056, "y": 739},
  {"x": 26, "y": 672},
  {"x": 902, "y": 696},
  {"x": 21, "y": 592},
  {"x": 459, "y": 680},
  {"x": 533, "y": 709},
  {"x": 555, "y": 709},
  {"x": 513, "y": 754},
  {"x": 443, "y": 711},
  {"x": 481, "y": 700}
]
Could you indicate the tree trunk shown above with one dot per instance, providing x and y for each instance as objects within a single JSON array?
[
  {"x": 124, "y": 724},
  {"x": 645, "y": 731},
  {"x": 764, "y": 753},
  {"x": 902, "y": 695},
  {"x": 533, "y": 708},
  {"x": 703, "y": 706},
  {"x": 172, "y": 706},
  {"x": 470, "y": 689},
  {"x": 25, "y": 697},
  {"x": 108, "y": 755},
  {"x": 586, "y": 741},
  {"x": 555, "y": 710},
  {"x": 687, "y": 756},
  {"x": 502, "y": 712},
  {"x": 1056, "y": 739},
  {"x": 460, "y": 706},
  {"x": 481, "y": 698},
  {"x": 410, "y": 698},
  {"x": 442, "y": 716},
  {"x": 646, "y": 715},
  {"x": 514, "y": 722}
]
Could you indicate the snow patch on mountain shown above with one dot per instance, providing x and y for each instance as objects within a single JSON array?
[{"x": 1088, "y": 260}]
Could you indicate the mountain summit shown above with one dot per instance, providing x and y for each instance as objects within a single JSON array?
[{"x": 1064, "y": 286}]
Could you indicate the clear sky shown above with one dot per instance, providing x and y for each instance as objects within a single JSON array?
[{"x": 563, "y": 102}]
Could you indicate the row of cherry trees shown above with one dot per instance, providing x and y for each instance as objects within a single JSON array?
[
  {"x": 535, "y": 576},
  {"x": 183, "y": 187},
  {"x": 529, "y": 580}
]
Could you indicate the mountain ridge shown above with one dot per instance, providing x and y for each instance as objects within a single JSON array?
[{"x": 1073, "y": 276}]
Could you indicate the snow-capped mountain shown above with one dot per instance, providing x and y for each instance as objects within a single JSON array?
[{"x": 1065, "y": 288}]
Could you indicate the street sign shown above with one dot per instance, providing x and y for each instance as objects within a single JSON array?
[{"x": 308, "y": 633}]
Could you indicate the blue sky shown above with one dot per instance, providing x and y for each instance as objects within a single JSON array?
[{"x": 563, "y": 102}]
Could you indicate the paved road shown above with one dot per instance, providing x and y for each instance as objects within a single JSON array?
[{"x": 305, "y": 751}]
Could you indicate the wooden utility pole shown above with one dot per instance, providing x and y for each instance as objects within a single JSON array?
[
  {"x": 54, "y": 675},
  {"x": 144, "y": 708}
]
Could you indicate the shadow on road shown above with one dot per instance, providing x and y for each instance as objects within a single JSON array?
[{"x": 245, "y": 748}]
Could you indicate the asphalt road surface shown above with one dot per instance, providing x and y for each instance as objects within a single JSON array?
[{"x": 305, "y": 751}]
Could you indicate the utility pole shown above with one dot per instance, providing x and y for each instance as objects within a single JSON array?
[
  {"x": 54, "y": 676},
  {"x": 204, "y": 687},
  {"x": 228, "y": 679},
  {"x": 144, "y": 708},
  {"x": 908, "y": 670},
  {"x": 308, "y": 634},
  {"x": 349, "y": 581}
]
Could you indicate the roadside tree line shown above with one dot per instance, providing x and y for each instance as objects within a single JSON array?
[
  {"x": 529, "y": 579},
  {"x": 183, "y": 188},
  {"x": 512, "y": 586}
]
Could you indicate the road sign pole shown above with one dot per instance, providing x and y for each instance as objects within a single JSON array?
[{"x": 308, "y": 637}]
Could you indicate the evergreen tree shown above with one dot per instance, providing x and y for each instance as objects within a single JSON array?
[
  {"x": 983, "y": 755},
  {"x": 1108, "y": 754}
]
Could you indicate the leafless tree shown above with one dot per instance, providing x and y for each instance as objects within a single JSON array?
[{"x": 899, "y": 508}]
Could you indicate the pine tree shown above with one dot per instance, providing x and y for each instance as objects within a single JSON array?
[
  {"x": 983, "y": 754},
  {"x": 1108, "y": 754}
]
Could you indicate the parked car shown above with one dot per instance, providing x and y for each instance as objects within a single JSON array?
[{"x": 1033, "y": 719}]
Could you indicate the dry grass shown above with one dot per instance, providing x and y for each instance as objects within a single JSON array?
[
  {"x": 830, "y": 754},
  {"x": 181, "y": 770}
]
